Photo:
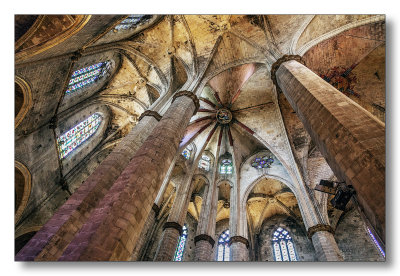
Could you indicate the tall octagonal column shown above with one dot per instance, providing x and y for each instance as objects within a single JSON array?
[
  {"x": 204, "y": 243},
  {"x": 52, "y": 239},
  {"x": 349, "y": 137},
  {"x": 112, "y": 230},
  {"x": 173, "y": 227},
  {"x": 324, "y": 243},
  {"x": 239, "y": 249}
]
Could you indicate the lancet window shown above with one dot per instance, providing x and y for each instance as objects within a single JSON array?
[
  {"x": 223, "y": 247},
  {"x": 132, "y": 21},
  {"x": 86, "y": 76},
  {"x": 226, "y": 166},
  {"x": 283, "y": 246},
  {"x": 74, "y": 137},
  {"x": 180, "y": 249}
]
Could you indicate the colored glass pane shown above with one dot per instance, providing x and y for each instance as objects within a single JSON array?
[
  {"x": 85, "y": 76},
  {"x": 226, "y": 167},
  {"x": 262, "y": 162},
  {"x": 77, "y": 135},
  {"x": 180, "y": 249},
  {"x": 186, "y": 153},
  {"x": 223, "y": 247},
  {"x": 376, "y": 243},
  {"x": 204, "y": 163},
  {"x": 132, "y": 21},
  {"x": 283, "y": 246}
]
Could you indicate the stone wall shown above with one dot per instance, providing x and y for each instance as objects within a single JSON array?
[
  {"x": 354, "y": 241},
  {"x": 191, "y": 224},
  {"x": 38, "y": 153}
]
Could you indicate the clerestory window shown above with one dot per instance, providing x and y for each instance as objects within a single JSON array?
[
  {"x": 187, "y": 152},
  {"x": 84, "y": 77},
  {"x": 226, "y": 166},
  {"x": 132, "y": 21},
  {"x": 204, "y": 163},
  {"x": 74, "y": 137},
  {"x": 262, "y": 162}
]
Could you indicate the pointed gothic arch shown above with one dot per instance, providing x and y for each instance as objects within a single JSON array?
[
  {"x": 23, "y": 187},
  {"x": 23, "y": 99}
]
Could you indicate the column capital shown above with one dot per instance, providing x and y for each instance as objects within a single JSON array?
[
  {"x": 317, "y": 228},
  {"x": 151, "y": 113},
  {"x": 190, "y": 95},
  {"x": 173, "y": 224},
  {"x": 278, "y": 63},
  {"x": 204, "y": 237},
  {"x": 239, "y": 239}
]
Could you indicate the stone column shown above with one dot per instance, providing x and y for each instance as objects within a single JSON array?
[
  {"x": 145, "y": 234},
  {"x": 350, "y": 138},
  {"x": 239, "y": 249},
  {"x": 112, "y": 229},
  {"x": 172, "y": 229},
  {"x": 52, "y": 239},
  {"x": 155, "y": 211},
  {"x": 203, "y": 251},
  {"x": 204, "y": 243},
  {"x": 324, "y": 243}
]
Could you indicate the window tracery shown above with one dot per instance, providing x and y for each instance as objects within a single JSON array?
[
  {"x": 204, "y": 163},
  {"x": 132, "y": 21},
  {"x": 223, "y": 249},
  {"x": 180, "y": 249},
  {"x": 88, "y": 75},
  {"x": 262, "y": 162},
  {"x": 283, "y": 246},
  {"x": 226, "y": 166},
  {"x": 74, "y": 137}
]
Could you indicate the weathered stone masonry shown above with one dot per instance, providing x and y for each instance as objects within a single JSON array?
[
  {"x": 351, "y": 139},
  {"x": 50, "y": 242}
]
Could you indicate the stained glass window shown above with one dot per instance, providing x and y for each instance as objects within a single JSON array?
[
  {"x": 187, "y": 152},
  {"x": 283, "y": 246},
  {"x": 262, "y": 162},
  {"x": 226, "y": 166},
  {"x": 180, "y": 249},
  {"x": 85, "y": 76},
  {"x": 132, "y": 21},
  {"x": 204, "y": 163},
  {"x": 376, "y": 243},
  {"x": 77, "y": 135},
  {"x": 223, "y": 247}
]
